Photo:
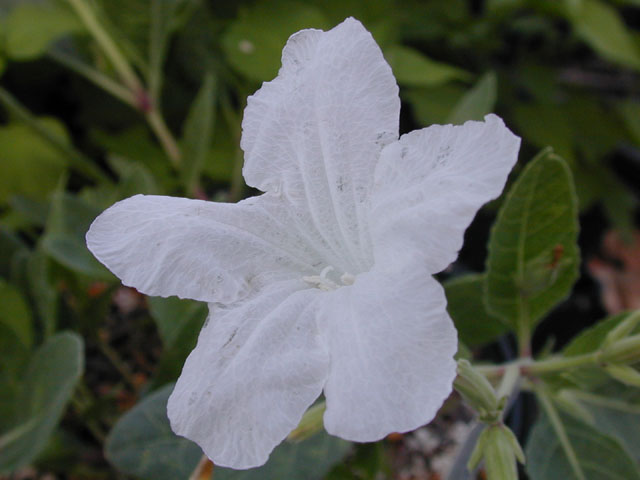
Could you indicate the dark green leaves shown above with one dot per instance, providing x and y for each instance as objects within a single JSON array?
[
  {"x": 142, "y": 443},
  {"x": 253, "y": 43},
  {"x": 477, "y": 102},
  {"x": 413, "y": 69},
  {"x": 466, "y": 306},
  {"x": 600, "y": 457},
  {"x": 46, "y": 388},
  {"x": 310, "y": 459},
  {"x": 533, "y": 257},
  {"x": 198, "y": 131}
]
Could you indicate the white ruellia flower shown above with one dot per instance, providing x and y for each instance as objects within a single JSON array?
[{"x": 322, "y": 284}]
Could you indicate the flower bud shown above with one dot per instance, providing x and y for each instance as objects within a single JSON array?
[
  {"x": 501, "y": 450},
  {"x": 625, "y": 374},
  {"x": 478, "y": 392},
  {"x": 623, "y": 329}
]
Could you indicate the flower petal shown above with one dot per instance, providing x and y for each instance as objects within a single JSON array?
[
  {"x": 256, "y": 369},
  {"x": 430, "y": 184},
  {"x": 391, "y": 344},
  {"x": 206, "y": 251},
  {"x": 316, "y": 131}
]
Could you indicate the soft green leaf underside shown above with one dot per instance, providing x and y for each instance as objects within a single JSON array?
[
  {"x": 533, "y": 256},
  {"x": 47, "y": 386},
  {"x": 600, "y": 456}
]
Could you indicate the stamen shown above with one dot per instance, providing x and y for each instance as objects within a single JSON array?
[{"x": 323, "y": 283}]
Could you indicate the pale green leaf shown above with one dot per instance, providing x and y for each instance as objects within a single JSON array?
[
  {"x": 477, "y": 102},
  {"x": 601, "y": 27},
  {"x": 23, "y": 153},
  {"x": 533, "y": 256},
  {"x": 47, "y": 386},
  {"x": 31, "y": 27},
  {"x": 413, "y": 69}
]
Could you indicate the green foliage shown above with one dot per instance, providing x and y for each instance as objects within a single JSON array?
[
  {"x": 24, "y": 153},
  {"x": 45, "y": 389},
  {"x": 142, "y": 443},
  {"x": 310, "y": 459},
  {"x": 63, "y": 240},
  {"x": 465, "y": 303},
  {"x": 600, "y": 457},
  {"x": 477, "y": 102},
  {"x": 253, "y": 43},
  {"x": 600, "y": 25},
  {"x": 31, "y": 27},
  {"x": 533, "y": 257},
  {"x": 197, "y": 134},
  {"x": 413, "y": 69}
]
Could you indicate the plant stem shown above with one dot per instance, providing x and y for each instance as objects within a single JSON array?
[
  {"x": 135, "y": 93},
  {"x": 557, "y": 425},
  {"x": 162, "y": 132},
  {"x": 79, "y": 161},
  {"x": 95, "y": 76},
  {"x": 109, "y": 47}
]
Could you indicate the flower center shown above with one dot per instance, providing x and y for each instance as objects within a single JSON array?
[{"x": 323, "y": 282}]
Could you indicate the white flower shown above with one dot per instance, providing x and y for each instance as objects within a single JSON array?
[{"x": 323, "y": 283}]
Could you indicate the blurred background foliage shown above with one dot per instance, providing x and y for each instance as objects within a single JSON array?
[{"x": 104, "y": 99}]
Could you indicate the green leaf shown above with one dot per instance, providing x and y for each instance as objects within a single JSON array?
[
  {"x": 590, "y": 339},
  {"x": 541, "y": 125},
  {"x": 24, "y": 153},
  {"x": 629, "y": 111},
  {"x": 197, "y": 133},
  {"x": 434, "y": 105},
  {"x": 64, "y": 239},
  {"x": 615, "y": 412},
  {"x": 477, "y": 102},
  {"x": 253, "y": 43},
  {"x": 142, "y": 443},
  {"x": 465, "y": 304},
  {"x": 47, "y": 386},
  {"x": 173, "y": 314},
  {"x": 413, "y": 69},
  {"x": 31, "y": 27},
  {"x": 533, "y": 256},
  {"x": 15, "y": 313},
  {"x": 42, "y": 290},
  {"x": 310, "y": 459},
  {"x": 600, "y": 457},
  {"x": 601, "y": 27}
]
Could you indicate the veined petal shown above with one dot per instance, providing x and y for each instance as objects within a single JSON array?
[
  {"x": 214, "y": 252},
  {"x": 315, "y": 133},
  {"x": 391, "y": 344},
  {"x": 257, "y": 367},
  {"x": 430, "y": 184}
]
